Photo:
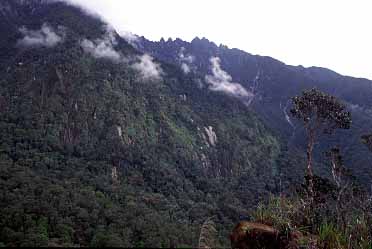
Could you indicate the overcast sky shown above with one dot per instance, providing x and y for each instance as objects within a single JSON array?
[{"x": 336, "y": 34}]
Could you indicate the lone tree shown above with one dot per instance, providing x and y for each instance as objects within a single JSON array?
[{"x": 320, "y": 113}]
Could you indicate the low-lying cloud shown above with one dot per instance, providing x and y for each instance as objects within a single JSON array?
[
  {"x": 185, "y": 68},
  {"x": 185, "y": 60},
  {"x": 46, "y": 36},
  {"x": 148, "y": 68},
  {"x": 104, "y": 47},
  {"x": 100, "y": 49},
  {"x": 221, "y": 81}
]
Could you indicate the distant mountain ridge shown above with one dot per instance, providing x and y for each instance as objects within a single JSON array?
[{"x": 274, "y": 83}]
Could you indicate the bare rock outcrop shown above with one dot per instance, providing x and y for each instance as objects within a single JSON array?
[{"x": 250, "y": 235}]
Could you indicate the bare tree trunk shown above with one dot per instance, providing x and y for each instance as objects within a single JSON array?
[
  {"x": 208, "y": 235},
  {"x": 309, "y": 153},
  {"x": 335, "y": 170}
]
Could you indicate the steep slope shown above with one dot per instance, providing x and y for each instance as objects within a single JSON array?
[
  {"x": 273, "y": 84},
  {"x": 104, "y": 146}
]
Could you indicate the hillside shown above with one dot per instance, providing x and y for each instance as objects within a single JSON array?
[
  {"x": 272, "y": 84},
  {"x": 102, "y": 145},
  {"x": 109, "y": 142}
]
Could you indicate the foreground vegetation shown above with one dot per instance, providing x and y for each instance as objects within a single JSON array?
[
  {"x": 328, "y": 213},
  {"x": 337, "y": 218},
  {"x": 333, "y": 213}
]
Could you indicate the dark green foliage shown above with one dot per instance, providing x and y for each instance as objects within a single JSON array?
[
  {"x": 320, "y": 111},
  {"x": 333, "y": 215},
  {"x": 274, "y": 84},
  {"x": 339, "y": 217},
  {"x": 92, "y": 155}
]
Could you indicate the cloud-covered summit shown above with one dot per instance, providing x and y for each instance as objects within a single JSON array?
[
  {"x": 105, "y": 48},
  {"x": 131, "y": 38}
]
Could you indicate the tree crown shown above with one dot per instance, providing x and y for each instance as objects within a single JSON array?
[{"x": 319, "y": 110}]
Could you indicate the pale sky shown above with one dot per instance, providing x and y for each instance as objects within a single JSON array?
[{"x": 336, "y": 34}]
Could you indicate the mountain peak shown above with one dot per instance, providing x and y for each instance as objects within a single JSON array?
[{"x": 203, "y": 42}]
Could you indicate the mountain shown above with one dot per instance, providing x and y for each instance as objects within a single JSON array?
[
  {"x": 102, "y": 145},
  {"x": 273, "y": 84},
  {"x": 109, "y": 142}
]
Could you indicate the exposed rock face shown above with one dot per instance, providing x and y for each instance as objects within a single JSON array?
[
  {"x": 249, "y": 235},
  {"x": 183, "y": 97},
  {"x": 114, "y": 175},
  {"x": 120, "y": 131},
  {"x": 212, "y": 137}
]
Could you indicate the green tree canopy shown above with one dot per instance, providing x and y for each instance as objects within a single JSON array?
[{"x": 320, "y": 113}]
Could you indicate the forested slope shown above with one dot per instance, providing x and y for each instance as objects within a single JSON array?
[{"x": 94, "y": 151}]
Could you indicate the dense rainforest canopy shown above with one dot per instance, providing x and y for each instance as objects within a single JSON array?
[{"x": 109, "y": 143}]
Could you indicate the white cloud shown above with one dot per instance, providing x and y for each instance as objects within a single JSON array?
[
  {"x": 220, "y": 81},
  {"x": 100, "y": 49},
  {"x": 44, "y": 37},
  {"x": 186, "y": 61},
  {"x": 148, "y": 68},
  {"x": 103, "y": 48},
  {"x": 185, "y": 68},
  {"x": 185, "y": 58},
  {"x": 131, "y": 38},
  {"x": 305, "y": 46}
]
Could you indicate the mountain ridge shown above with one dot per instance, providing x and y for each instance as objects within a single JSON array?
[
  {"x": 208, "y": 42},
  {"x": 97, "y": 152},
  {"x": 106, "y": 144},
  {"x": 277, "y": 83}
]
